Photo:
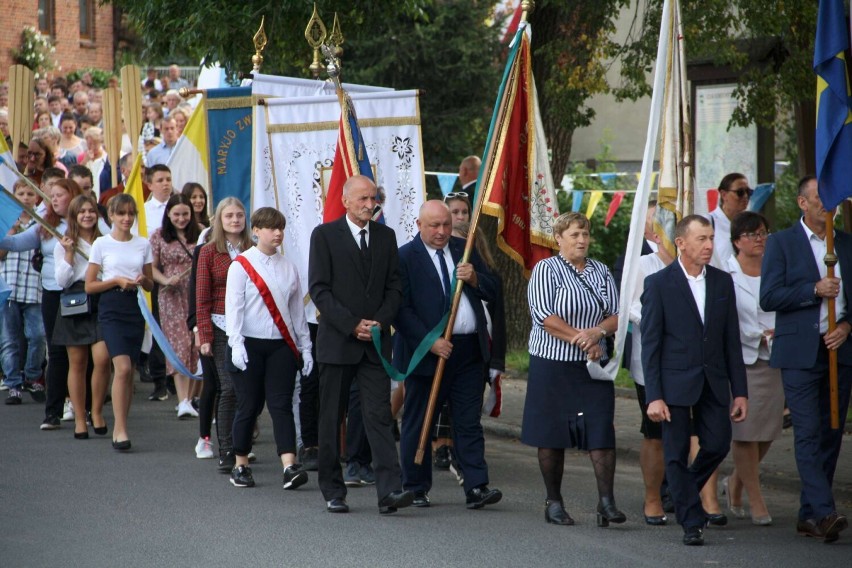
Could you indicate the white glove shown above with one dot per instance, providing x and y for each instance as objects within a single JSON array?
[
  {"x": 239, "y": 357},
  {"x": 307, "y": 363}
]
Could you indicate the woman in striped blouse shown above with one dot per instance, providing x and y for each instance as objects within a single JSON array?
[{"x": 574, "y": 307}]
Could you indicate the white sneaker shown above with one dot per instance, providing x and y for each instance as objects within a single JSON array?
[
  {"x": 204, "y": 449},
  {"x": 68, "y": 412},
  {"x": 185, "y": 410}
]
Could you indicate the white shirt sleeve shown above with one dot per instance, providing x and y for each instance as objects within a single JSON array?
[{"x": 235, "y": 303}]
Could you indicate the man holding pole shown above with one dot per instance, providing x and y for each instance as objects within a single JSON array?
[
  {"x": 426, "y": 264},
  {"x": 796, "y": 285},
  {"x": 353, "y": 277}
]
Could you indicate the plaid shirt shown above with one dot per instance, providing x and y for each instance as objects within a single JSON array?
[
  {"x": 19, "y": 274},
  {"x": 210, "y": 280}
]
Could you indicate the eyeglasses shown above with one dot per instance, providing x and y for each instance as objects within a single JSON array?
[
  {"x": 454, "y": 194},
  {"x": 741, "y": 192},
  {"x": 35, "y": 154},
  {"x": 758, "y": 235}
]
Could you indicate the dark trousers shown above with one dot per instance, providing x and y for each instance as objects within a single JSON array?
[
  {"x": 462, "y": 386},
  {"x": 207, "y": 403},
  {"x": 56, "y": 376},
  {"x": 712, "y": 424},
  {"x": 357, "y": 444},
  {"x": 309, "y": 398},
  {"x": 816, "y": 444},
  {"x": 270, "y": 374},
  {"x": 226, "y": 397},
  {"x": 374, "y": 383}
]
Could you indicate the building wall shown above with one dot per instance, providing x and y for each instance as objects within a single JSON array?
[{"x": 72, "y": 52}]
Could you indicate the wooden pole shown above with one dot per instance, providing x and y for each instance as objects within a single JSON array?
[
  {"x": 21, "y": 98},
  {"x": 488, "y": 166},
  {"x": 31, "y": 212},
  {"x": 112, "y": 130},
  {"x": 131, "y": 105},
  {"x": 830, "y": 261}
]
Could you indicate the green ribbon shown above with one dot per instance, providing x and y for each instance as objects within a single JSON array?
[{"x": 421, "y": 350}]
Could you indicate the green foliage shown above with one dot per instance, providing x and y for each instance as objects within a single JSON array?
[
  {"x": 35, "y": 52},
  {"x": 100, "y": 78},
  {"x": 518, "y": 361},
  {"x": 769, "y": 44}
]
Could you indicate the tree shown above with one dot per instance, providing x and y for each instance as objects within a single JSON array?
[{"x": 770, "y": 46}]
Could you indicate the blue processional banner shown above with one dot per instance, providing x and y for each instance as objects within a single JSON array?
[{"x": 229, "y": 135}]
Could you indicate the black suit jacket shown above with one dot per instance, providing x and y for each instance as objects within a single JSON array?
[
  {"x": 423, "y": 297},
  {"x": 336, "y": 283},
  {"x": 679, "y": 352}
]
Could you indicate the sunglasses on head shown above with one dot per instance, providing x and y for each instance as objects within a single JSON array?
[
  {"x": 454, "y": 194},
  {"x": 741, "y": 192}
]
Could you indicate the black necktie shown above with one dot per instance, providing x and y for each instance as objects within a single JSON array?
[
  {"x": 445, "y": 276},
  {"x": 363, "y": 234}
]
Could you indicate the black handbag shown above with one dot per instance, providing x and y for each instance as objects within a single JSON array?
[{"x": 75, "y": 301}]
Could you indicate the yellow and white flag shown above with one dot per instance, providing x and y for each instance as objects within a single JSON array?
[{"x": 189, "y": 161}]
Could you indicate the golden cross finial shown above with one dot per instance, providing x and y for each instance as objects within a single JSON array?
[{"x": 316, "y": 35}]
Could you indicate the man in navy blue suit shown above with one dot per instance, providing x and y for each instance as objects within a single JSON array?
[
  {"x": 794, "y": 285},
  {"x": 426, "y": 265},
  {"x": 693, "y": 363}
]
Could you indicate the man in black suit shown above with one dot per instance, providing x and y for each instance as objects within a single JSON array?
[
  {"x": 426, "y": 264},
  {"x": 693, "y": 363},
  {"x": 354, "y": 281}
]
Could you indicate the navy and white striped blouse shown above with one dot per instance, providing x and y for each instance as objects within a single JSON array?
[{"x": 554, "y": 290}]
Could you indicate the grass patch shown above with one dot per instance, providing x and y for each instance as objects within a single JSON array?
[{"x": 518, "y": 363}]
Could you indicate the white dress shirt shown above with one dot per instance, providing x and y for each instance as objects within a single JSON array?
[
  {"x": 65, "y": 273},
  {"x": 722, "y": 248},
  {"x": 154, "y": 211},
  {"x": 246, "y": 314},
  {"x": 818, "y": 247},
  {"x": 753, "y": 320},
  {"x": 648, "y": 265},
  {"x": 465, "y": 316},
  {"x": 698, "y": 286},
  {"x": 356, "y": 232}
]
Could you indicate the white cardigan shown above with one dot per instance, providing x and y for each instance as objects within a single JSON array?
[{"x": 748, "y": 310}]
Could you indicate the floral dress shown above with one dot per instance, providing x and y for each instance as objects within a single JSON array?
[{"x": 175, "y": 258}]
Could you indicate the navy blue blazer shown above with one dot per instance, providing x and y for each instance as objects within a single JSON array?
[
  {"x": 423, "y": 298},
  {"x": 679, "y": 352},
  {"x": 787, "y": 281}
]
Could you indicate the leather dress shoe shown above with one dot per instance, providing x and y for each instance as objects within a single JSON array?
[
  {"x": 337, "y": 506},
  {"x": 122, "y": 446},
  {"x": 556, "y": 514},
  {"x": 421, "y": 499},
  {"x": 693, "y": 536},
  {"x": 831, "y": 525},
  {"x": 809, "y": 527},
  {"x": 478, "y": 497},
  {"x": 395, "y": 500},
  {"x": 717, "y": 519},
  {"x": 608, "y": 513},
  {"x": 656, "y": 520}
]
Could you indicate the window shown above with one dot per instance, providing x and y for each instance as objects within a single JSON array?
[
  {"x": 45, "y": 16},
  {"x": 87, "y": 19}
]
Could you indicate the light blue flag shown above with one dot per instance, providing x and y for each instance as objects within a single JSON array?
[
  {"x": 608, "y": 179},
  {"x": 160, "y": 338},
  {"x": 576, "y": 200},
  {"x": 447, "y": 181},
  {"x": 761, "y": 194},
  {"x": 9, "y": 209}
]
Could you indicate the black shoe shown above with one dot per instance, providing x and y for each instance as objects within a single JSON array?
[
  {"x": 309, "y": 458},
  {"x": 337, "y": 506},
  {"x": 14, "y": 397},
  {"x": 36, "y": 390},
  {"x": 122, "y": 446},
  {"x": 831, "y": 525},
  {"x": 478, "y": 497},
  {"x": 241, "y": 476},
  {"x": 421, "y": 499},
  {"x": 294, "y": 477},
  {"x": 693, "y": 536},
  {"x": 656, "y": 521},
  {"x": 395, "y": 500},
  {"x": 717, "y": 519},
  {"x": 101, "y": 430},
  {"x": 668, "y": 503},
  {"x": 227, "y": 462},
  {"x": 160, "y": 393},
  {"x": 81, "y": 435},
  {"x": 442, "y": 458},
  {"x": 608, "y": 512},
  {"x": 556, "y": 514},
  {"x": 50, "y": 423}
]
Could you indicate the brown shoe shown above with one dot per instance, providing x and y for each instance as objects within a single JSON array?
[
  {"x": 809, "y": 527},
  {"x": 831, "y": 525}
]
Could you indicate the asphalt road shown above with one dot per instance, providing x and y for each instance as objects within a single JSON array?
[{"x": 69, "y": 503}]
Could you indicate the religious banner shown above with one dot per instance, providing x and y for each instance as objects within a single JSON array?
[{"x": 302, "y": 138}]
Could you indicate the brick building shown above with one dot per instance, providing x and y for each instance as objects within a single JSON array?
[{"x": 83, "y": 31}]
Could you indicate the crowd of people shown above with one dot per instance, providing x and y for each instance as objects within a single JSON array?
[{"x": 724, "y": 329}]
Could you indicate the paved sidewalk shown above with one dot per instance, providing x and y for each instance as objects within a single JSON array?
[{"x": 778, "y": 468}]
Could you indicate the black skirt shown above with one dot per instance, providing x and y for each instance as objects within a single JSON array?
[
  {"x": 566, "y": 408},
  {"x": 81, "y": 329},
  {"x": 121, "y": 323}
]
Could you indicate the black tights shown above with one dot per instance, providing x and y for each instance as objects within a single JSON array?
[{"x": 551, "y": 461}]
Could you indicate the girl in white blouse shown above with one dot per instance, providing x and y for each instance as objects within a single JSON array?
[
  {"x": 81, "y": 333},
  {"x": 125, "y": 260},
  {"x": 268, "y": 334}
]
